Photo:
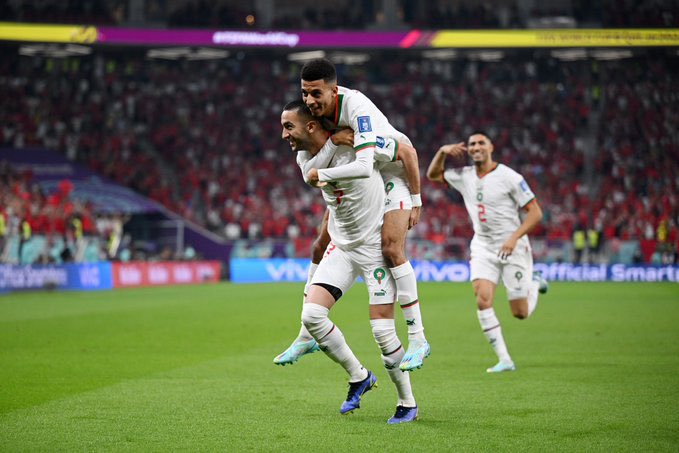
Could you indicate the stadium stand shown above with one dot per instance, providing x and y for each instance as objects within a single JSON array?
[{"x": 203, "y": 138}]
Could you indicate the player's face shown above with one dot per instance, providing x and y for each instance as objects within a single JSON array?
[
  {"x": 295, "y": 131},
  {"x": 320, "y": 97},
  {"x": 479, "y": 148}
]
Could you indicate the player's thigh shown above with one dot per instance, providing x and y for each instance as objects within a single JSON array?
[
  {"x": 335, "y": 269},
  {"x": 517, "y": 274},
  {"x": 375, "y": 272},
  {"x": 395, "y": 226},
  {"x": 484, "y": 264}
]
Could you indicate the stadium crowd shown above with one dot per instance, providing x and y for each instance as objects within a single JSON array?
[
  {"x": 356, "y": 14},
  {"x": 203, "y": 138}
]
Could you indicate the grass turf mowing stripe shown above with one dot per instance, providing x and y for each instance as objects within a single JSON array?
[{"x": 189, "y": 368}]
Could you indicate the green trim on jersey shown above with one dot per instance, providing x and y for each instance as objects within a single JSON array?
[
  {"x": 393, "y": 159},
  {"x": 338, "y": 108},
  {"x": 364, "y": 146}
]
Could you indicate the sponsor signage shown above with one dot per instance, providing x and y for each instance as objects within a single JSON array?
[
  {"x": 127, "y": 275},
  {"x": 341, "y": 39},
  {"x": 86, "y": 277},
  {"x": 295, "y": 270}
]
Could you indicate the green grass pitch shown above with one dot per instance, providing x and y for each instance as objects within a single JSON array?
[{"x": 190, "y": 369}]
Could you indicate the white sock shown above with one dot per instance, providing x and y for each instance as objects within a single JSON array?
[
  {"x": 533, "y": 293},
  {"x": 384, "y": 331},
  {"x": 304, "y": 334},
  {"x": 331, "y": 340},
  {"x": 406, "y": 293},
  {"x": 493, "y": 332}
]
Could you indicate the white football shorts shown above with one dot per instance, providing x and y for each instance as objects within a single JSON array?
[
  {"x": 341, "y": 268},
  {"x": 397, "y": 193},
  {"x": 516, "y": 271}
]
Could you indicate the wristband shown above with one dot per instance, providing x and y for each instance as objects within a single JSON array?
[{"x": 417, "y": 200}]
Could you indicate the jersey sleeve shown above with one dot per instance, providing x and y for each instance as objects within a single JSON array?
[
  {"x": 386, "y": 149},
  {"x": 519, "y": 190},
  {"x": 361, "y": 121},
  {"x": 362, "y": 167},
  {"x": 321, "y": 160},
  {"x": 453, "y": 176}
]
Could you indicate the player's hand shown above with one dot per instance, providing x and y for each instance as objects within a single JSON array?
[
  {"x": 414, "y": 216},
  {"x": 312, "y": 178},
  {"x": 507, "y": 249},
  {"x": 343, "y": 137},
  {"x": 454, "y": 149}
]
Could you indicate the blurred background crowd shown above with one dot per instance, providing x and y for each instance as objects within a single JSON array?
[{"x": 597, "y": 138}]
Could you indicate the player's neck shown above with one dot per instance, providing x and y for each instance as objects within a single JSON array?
[
  {"x": 483, "y": 168},
  {"x": 317, "y": 142}
]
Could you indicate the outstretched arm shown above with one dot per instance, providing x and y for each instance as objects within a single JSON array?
[{"x": 408, "y": 155}]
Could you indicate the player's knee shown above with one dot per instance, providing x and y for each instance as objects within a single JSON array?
[
  {"x": 384, "y": 332},
  {"x": 313, "y": 316},
  {"x": 484, "y": 299},
  {"x": 520, "y": 314},
  {"x": 392, "y": 253}
]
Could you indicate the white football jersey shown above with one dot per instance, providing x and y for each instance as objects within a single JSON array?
[
  {"x": 493, "y": 201},
  {"x": 370, "y": 126},
  {"x": 356, "y": 205}
]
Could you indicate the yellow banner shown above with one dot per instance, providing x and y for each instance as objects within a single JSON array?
[
  {"x": 47, "y": 33},
  {"x": 558, "y": 38}
]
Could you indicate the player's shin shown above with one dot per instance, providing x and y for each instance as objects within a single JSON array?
[
  {"x": 331, "y": 340},
  {"x": 406, "y": 290},
  {"x": 493, "y": 332},
  {"x": 384, "y": 331},
  {"x": 533, "y": 296}
]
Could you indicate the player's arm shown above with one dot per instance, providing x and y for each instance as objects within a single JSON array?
[
  {"x": 531, "y": 220},
  {"x": 437, "y": 165},
  {"x": 362, "y": 167},
  {"x": 408, "y": 155},
  {"x": 322, "y": 159},
  {"x": 364, "y": 145}
]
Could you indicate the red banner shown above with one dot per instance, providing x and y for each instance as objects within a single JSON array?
[{"x": 127, "y": 275}]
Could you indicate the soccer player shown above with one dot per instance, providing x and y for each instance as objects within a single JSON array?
[
  {"x": 337, "y": 107},
  {"x": 493, "y": 195},
  {"x": 355, "y": 219}
]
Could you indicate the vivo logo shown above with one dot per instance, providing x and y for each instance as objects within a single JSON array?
[
  {"x": 290, "y": 271},
  {"x": 427, "y": 271}
]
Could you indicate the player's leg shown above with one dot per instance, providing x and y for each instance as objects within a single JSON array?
[
  {"x": 484, "y": 290},
  {"x": 305, "y": 343},
  {"x": 523, "y": 285},
  {"x": 394, "y": 232},
  {"x": 381, "y": 290},
  {"x": 485, "y": 273},
  {"x": 334, "y": 277}
]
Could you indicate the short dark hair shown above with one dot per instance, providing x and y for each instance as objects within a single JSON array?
[
  {"x": 479, "y": 132},
  {"x": 317, "y": 69},
  {"x": 301, "y": 109}
]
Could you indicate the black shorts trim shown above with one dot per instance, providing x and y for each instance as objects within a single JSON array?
[{"x": 333, "y": 290}]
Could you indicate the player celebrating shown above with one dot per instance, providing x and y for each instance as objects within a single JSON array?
[
  {"x": 354, "y": 224},
  {"x": 337, "y": 107},
  {"x": 493, "y": 195}
]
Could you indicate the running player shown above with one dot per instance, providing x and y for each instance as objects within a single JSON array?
[{"x": 493, "y": 195}]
